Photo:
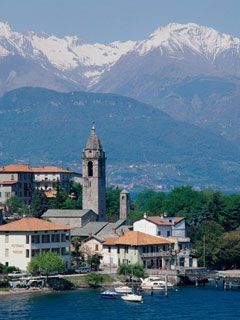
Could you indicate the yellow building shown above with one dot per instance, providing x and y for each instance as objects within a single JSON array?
[{"x": 137, "y": 247}]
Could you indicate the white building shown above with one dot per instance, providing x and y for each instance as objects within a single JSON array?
[
  {"x": 174, "y": 229},
  {"x": 161, "y": 226},
  {"x": 23, "y": 239},
  {"x": 45, "y": 178}
]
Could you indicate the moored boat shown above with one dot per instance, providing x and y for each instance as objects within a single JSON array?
[
  {"x": 132, "y": 297},
  {"x": 155, "y": 283},
  {"x": 109, "y": 294},
  {"x": 123, "y": 289}
]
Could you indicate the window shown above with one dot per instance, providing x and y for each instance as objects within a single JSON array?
[
  {"x": 63, "y": 238},
  {"x": 27, "y": 239},
  {"x": 45, "y": 238},
  {"x": 12, "y": 177},
  {"x": 96, "y": 247},
  {"x": 27, "y": 253},
  {"x": 55, "y": 237},
  {"x": 6, "y": 238},
  {"x": 6, "y": 253},
  {"x": 7, "y": 194},
  {"x": 109, "y": 249},
  {"x": 35, "y": 239},
  {"x": 126, "y": 249},
  {"x": 159, "y": 233},
  {"x": 90, "y": 169},
  {"x": 168, "y": 233},
  {"x": 118, "y": 250}
]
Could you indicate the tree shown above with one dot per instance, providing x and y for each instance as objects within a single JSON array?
[
  {"x": 112, "y": 203},
  {"x": 94, "y": 261},
  {"x": 150, "y": 201},
  {"x": 230, "y": 250},
  {"x": 46, "y": 263},
  {"x": 136, "y": 270},
  {"x": 39, "y": 203},
  {"x": 15, "y": 205},
  {"x": 94, "y": 279},
  {"x": 207, "y": 242},
  {"x": 76, "y": 243}
]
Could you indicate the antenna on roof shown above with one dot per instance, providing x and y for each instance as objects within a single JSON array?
[{"x": 93, "y": 126}]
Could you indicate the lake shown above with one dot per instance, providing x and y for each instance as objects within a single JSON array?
[{"x": 186, "y": 303}]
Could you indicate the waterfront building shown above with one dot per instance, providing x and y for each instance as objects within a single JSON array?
[
  {"x": 174, "y": 229},
  {"x": 21, "y": 240},
  {"x": 137, "y": 247}
]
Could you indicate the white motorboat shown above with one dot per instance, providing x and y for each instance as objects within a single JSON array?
[
  {"x": 155, "y": 283},
  {"x": 108, "y": 294},
  {"x": 123, "y": 289},
  {"x": 132, "y": 297}
]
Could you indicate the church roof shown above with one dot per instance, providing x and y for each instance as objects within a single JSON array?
[
  {"x": 65, "y": 213},
  {"x": 93, "y": 142}
]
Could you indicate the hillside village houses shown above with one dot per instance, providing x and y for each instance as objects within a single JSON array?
[
  {"x": 155, "y": 242},
  {"x": 21, "y": 180}
]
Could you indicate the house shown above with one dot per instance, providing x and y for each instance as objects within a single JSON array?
[
  {"x": 16, "y": 180},
  {"x": 21, "y": 240},
  {"x": 45, "y": 178},
  {"x": 21, "y": 180},
  {"x": 71, "y": 218},
  {"x": 174, "y": 229},
  {"x": 137, "y": 247},
  {"x": 161, "y": 226}
]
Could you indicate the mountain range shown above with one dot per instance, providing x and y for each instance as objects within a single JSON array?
[
  {"x": 185, "y": 130},
  {"x": 145, "y": 147},
  {"x": 191, "y": 72}
]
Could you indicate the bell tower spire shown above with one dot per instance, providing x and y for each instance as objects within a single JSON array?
[{"x": 94, "y": 175}]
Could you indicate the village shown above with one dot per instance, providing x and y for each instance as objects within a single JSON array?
[{"x": 84, "y": 239}]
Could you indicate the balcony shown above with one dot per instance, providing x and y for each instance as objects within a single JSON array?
[{"x": 179, "y": 253}]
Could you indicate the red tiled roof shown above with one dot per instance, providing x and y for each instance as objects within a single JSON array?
[
  {"x": 26, "y": 168},
  {"x": 137, "y": 238},
  {"x": 50, "y": 169},
  {"x": 32, "y": 224},
  {"x": 16, "y": 168},
  {"x": 164, "y": 221},
  {"x": 50, "y": 193},
  {"x": 158, "y": 220}
]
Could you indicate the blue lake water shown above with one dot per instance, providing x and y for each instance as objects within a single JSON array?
[{"x": 186, "y": 303}]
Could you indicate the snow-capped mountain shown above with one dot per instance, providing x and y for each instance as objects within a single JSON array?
[
  {"x": 82, "y": 65},
  {"x": 191, "y": 72}
]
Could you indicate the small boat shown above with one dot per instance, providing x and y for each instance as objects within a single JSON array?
[
  {"x": 155, "y": 283},
  {"x": 123, "y": 289},
  {"x": 132, "y": 297},
  {"x": 108, "y": 294}
]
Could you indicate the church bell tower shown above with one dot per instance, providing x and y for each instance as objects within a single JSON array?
[{"x": 94, "y": 176}]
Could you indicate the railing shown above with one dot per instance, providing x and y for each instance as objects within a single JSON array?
[{"x": 181, "y": 253}]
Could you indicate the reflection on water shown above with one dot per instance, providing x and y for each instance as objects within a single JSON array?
[{"x": 186, "y": 303}]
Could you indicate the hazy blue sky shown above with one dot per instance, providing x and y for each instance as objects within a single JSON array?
[{"x": 108, "y": 20}]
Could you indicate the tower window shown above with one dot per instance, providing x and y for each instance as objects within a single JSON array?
[{"x": 90, "y": 169}]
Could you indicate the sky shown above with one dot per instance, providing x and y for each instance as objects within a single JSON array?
[{"x": 108, "y": 20}]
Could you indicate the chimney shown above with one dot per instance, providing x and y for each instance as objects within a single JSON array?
[
  {"x": 145, "y": 215},
  {"x": 124, "y": 206},
  {"x": 114, "y": 231}
]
